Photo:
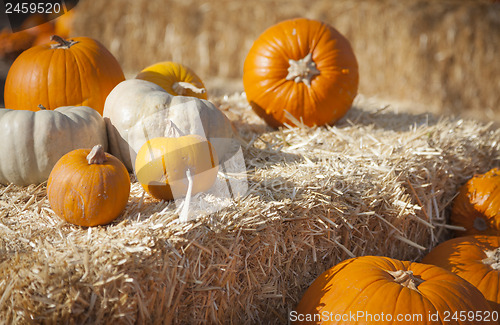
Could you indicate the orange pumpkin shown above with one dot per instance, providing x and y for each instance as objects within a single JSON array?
[
  {"x": 475, "y": 259},
  {"x": 63, "y": 24},
  {"x": 12, "y": 44},
  {"x": 304, "y": 67},
  {"x": 76, "y": 72},
  {"x": 37, "y": 24},
  {"x": 175, "y": 78},
  {"x": 383, "y": 288},
  {"x": 88, "y": 187},
  {"x": 477, "y": 205}
]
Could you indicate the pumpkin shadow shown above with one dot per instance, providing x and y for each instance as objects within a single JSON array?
[
  {"x": 386, "y": 119},
  {"x": 262, "y": 181}
]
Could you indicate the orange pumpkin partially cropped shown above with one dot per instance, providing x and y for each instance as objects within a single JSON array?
[
  {"x": 63, "y": 24},
  {"x": 88, "y": 187},
  {"x": 302, "y": 66},
  {"x": 475, "y": 259},
  {"x": 477, "y": 205},
  {"x": 37, "y": 24},
  {"x": 385, "y": 289},
  {"x": 12, "y": 44},
  {"x": 76, "y": 72}
]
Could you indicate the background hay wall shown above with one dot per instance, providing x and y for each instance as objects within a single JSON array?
[{"x": 443, "y": 54}]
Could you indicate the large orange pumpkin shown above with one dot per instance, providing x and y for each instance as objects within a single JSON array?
[
  {"x": 304, "y": 67},
  {"x": 477, "y": 205},
  {"x": 76, "y": 72},
  {"x": 88, "y": 187},
  {"x": 175, "y": 78},
  {"x": 381, "y": 290},
  {"x": 474, "y": 258}
]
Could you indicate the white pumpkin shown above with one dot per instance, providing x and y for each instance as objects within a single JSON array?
[
  {"x": 138, "y": 110},
  {"x": 32, "y": 142}
]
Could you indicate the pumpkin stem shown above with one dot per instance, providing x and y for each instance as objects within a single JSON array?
[
  {"x": 62, "y": 43},
  {"x": 181, "y": 88},
  {"x": 41, "y": 107},
  {"x": 302, "y": 70},
  {"x": 183, "y": 216},
  {"x": 406, "y": 279},
  {"x": 96, "y": 155},
  {"x": 492, "y": 259}
]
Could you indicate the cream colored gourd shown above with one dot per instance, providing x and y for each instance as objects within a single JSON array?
[
  {"x": 138, "y": 110},
  {"x": 32, "y": 142}
]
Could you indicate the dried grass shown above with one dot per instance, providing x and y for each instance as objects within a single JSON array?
[
  {"x": 439, "y": 53},
  {"x": 379, "y": 182}
]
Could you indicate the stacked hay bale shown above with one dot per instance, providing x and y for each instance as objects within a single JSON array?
[
  {"x": 438, "y": 53},
  {"x": 379, "y": 182}
]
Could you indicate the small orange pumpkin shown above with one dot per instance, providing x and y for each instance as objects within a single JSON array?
[
  {"x": 88, "y": 187},
  {"x": 304, "y": 67},
  {"x": 175, "y": 78},
  {"x": 477, "y": 205},
  {"x": 377, "y": 286},
  {"x": 76, "y": 72},
  {"x": 475, "y": 259}
]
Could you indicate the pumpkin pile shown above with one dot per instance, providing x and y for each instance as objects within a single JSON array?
[
  {"x": 465, "y": 269},
  {"x": 80, "y": 94},
  {"x": 475, "y": 254},
  {"x": 68, "y": 103},
  {"x": 374, "y": 289}
]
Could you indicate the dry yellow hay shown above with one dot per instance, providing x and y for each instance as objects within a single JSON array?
[
  {"x": 379, "y": 182},
  {"x": 443, "y": 54}
]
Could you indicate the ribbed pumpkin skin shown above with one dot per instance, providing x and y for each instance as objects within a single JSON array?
[
  {"x": 364, "y": 284},
  {"x": 464, "y": 256},
  {"x": 478, "y": 205},
  {"x": 165, "y": 74},
  {"x": 81, "y": 75},
  {"x": 266, "y": 66},
  {"x": 161, "y": 166},
  {"x": 88, "y": 195}
]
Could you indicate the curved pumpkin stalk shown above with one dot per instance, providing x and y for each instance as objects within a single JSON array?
[{"x": 181, "y": 88}]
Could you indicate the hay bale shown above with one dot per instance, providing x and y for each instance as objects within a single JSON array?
[
  {"x": 380, "y": 182},
  {"x": 439, "y": 53}
]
